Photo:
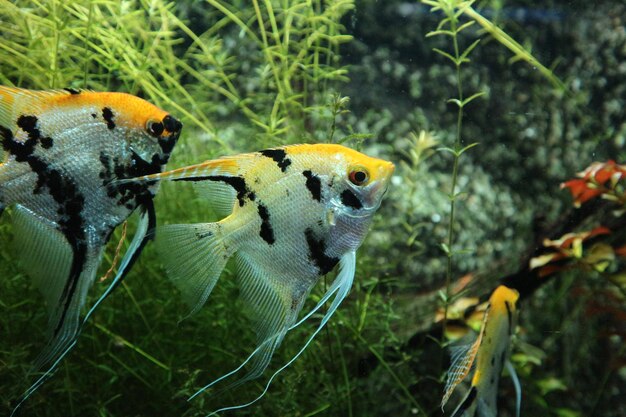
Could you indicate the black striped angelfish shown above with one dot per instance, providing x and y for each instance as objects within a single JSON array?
[
  {"x": 60, "y": 151},
  {"x": 291, "y": 215}
]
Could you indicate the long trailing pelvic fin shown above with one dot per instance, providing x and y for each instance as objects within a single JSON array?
[{"x": 340, "y": 288}]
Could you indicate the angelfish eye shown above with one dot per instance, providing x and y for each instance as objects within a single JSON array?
[
  {"x": 154, "y": 127},
  {"x": 358, "y": 176}
]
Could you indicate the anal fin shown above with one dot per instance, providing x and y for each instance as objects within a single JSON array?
[
  {"x": 47, "y": 258},
  {"x": 194, "y": 256}
]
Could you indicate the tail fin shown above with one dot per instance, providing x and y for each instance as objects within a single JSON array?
[{"x": 194, "y": 256}]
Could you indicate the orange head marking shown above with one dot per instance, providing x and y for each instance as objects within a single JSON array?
[
  {"x": 503, "y": 294},
  {"x": 121, "y": 109}
]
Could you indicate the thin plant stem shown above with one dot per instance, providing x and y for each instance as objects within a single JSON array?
[{"x": 455, "y": 172}]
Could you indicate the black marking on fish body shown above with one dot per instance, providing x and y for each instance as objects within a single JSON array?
[
  {"x": 317, "y": 253},
  {"x": 107, "y": 115},
  {"x": 467, "y": 402},
  {"x": 267, "y": 232},
  {"x": 7, "y": 139},
  {"x": 279, "y": 156},
  {"x": 72, "y": 91},
  {"x": 493, "y": 361},
  {"x": 46, "y": 142},
  {"x": 238, "y": 184},
  {"x": 313, "y": 184},
  {"x": 167, "y": 144},
  {"x": 502, "y": 359},
  {"x": 65, "y": 193},
  {"x": 509, "y": 313},
  {"x": 349, "y": 199},
  {"x": 132, "y": 194},
  {"x": 29, "y": 125},
  {"x": 94, "y": 115}
]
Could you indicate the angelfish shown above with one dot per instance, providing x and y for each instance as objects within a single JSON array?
[
  {"x": 61, "y": 150},
  {"x": 292, "y": 214},
  {"x": 488, "y": 356}
]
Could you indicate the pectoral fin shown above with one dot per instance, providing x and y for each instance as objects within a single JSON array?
[{"x": 219, "y": 195}]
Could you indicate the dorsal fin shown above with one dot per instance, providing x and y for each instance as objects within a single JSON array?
[
  {"x": 229, "y": 166},
  {"x": 462, "y": 360},
  {"x": 14, "y": 101}
]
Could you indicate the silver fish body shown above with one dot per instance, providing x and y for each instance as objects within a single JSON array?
[
  {"x": 61, "y": 152},
  {"x": 292, "y": 214}
]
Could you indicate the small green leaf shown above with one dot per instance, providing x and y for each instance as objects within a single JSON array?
[
  {"x": 447, "y": 55},
  {"x": 440, "y": 32},
  {"x": 459, "y": 194},
  {"x": 456, "y": 101},
  {"x": 566, "y": 412},
  {"x": 446, "y": 249},
  {"x": 547, "y": 385},
  {"x": 470, "y": 48},
  {"x": 465, "y": 26},
  {"x": 446, "y": 149},
  {"x": 468, "y": 147},
  {"x": 473, "y": 97}
]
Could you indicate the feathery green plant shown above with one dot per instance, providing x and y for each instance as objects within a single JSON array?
[
  {"x": 137, "y": 46},
  {"x": 295, "y": 49},
  {"x": 451, "y": 26}
]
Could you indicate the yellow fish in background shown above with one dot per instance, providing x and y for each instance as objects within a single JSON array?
[
  {"x": 61, "y": 152},
  {"x": 488, "y": 355},
  {"x": 293, "y": 213}
]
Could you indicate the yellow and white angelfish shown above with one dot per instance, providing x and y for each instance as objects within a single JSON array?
[
  {"x": 60, "y": 151},
  {"x": 292, "y": 214},
  {"x": 488, "y": 355}
]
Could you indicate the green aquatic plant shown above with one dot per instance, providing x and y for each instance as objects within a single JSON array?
[
  {"x": 451, "y": 26},
  {"x": 143, "y": 47},
  {"x": 128, "y": 46},
  {"x": 294, "y": 48}
]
